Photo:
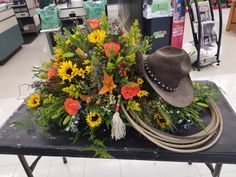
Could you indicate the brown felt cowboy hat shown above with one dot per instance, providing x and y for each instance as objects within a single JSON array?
[{"x": 167, "y": 71}]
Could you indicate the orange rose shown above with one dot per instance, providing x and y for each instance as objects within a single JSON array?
[
  {"x": 130, "y": 90},
  {"x": 51, "y": 73},
  {"x": 111, "y": 48},
  {"x": 93, "y": 23},
  {"x": 71, "y": 106}
]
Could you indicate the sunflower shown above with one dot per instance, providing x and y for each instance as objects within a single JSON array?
[
  {"x": 33, "y": 101},
  {"x": 67, "y": 70},
  {"x": 94, "y": 119},
  {"x": 97, "y": 36},
  {"x": 162, "y": 122}
]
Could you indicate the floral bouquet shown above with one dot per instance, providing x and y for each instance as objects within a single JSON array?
[{"x": 93, "y": 71}]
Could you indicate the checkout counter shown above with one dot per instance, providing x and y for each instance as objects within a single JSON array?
[
  {"x": 70, "y": 12},
  {"x": 10, "y": 34}
]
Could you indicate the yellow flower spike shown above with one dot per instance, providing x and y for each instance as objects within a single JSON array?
[
  {"x": 67, "y": 70},
  {"x": 142, "y": 93},
  {"x": 72, "y": 90},
  {"x": 68, "y": 42},
  {"x": 86, "y": 62},
  {"x": 134, "y": 105},
  {"x": 94, "y": 119},
  {"x": 97, "y": 36},
  {"x": 74, "y": 36},
  {"x": 58, "y": 53},
  {"x": 81, "y": 73},
  {"x": 89, "y": 69},
  {"x": 140, "y": 81},
  {"x": 33, "y": 101}
]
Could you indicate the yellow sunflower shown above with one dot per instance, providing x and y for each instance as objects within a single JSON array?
[
  {"x": 67, "y": 70},
  {"x": 33, "y": 101},
  {"x": 162, "y": 122},
  {"x": 94, "y": 119},
  {"x": 97, "y": 36}
]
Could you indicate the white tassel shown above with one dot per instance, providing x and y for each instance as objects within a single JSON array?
[{"x": 118, "y": 129}]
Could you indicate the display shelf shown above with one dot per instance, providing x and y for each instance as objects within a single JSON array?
[{"x": 197, "y": 22}]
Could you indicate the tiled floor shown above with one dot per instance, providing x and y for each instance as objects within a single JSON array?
[{"x": 18, "y": 71}]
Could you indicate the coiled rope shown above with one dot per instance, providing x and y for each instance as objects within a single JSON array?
[{"x": 182, "y": 144}]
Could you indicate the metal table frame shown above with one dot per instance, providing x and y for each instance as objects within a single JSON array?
[{"x": 215, "y": 170}]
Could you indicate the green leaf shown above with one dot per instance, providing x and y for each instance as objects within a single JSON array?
[
  {"x": 68, "y": 55},
  {"x": 67, "y": 120},
  {"x": 108, "y": 122},
  {"x": 203, "y": 105}
]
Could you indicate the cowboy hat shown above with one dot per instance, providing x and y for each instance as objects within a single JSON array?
[{"x": 167, "y": 71}]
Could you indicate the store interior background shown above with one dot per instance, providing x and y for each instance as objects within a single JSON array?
[{"x": 17, "y": 71}]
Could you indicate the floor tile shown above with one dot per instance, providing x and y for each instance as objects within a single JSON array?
[
  {"x": 8, "y": 160},
  {"x": 7, "y": 171},
  {"x": 130, "y": 168},
  {"x": 102, "y": 168},
  {"x": 222, "y": 175},
  {"x": 177, "y": 169},
  {"x": 41, "y": 170},
  {"x": 74, "y": 167}
]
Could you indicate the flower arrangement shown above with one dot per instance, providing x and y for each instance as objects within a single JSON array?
[{"x": 94, "y": 69}]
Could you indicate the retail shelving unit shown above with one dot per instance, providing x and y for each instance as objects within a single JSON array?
[
  {"x": 28, "y": 20},
  {"x": 197, "y": 33}
]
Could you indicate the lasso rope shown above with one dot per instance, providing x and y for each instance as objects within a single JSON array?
[{"x": 183, "y": 144}]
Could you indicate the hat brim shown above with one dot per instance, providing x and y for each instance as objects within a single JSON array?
[{"x": 181, "y": 97}]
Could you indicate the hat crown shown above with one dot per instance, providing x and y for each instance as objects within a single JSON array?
[{"x": 170, "y": 65}]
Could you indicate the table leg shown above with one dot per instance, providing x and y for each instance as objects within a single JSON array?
[
  {"x": 217, "y": 170},
  {"x": 211, "y": 168},
  {"x": 64, "y": 160},
  {"x": 25, "y": 165}
]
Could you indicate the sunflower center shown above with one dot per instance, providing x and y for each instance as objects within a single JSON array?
[
  {"x": 35, "y": 101},
  {"x": 95, "y": 118},
  {"x": 69, "y": 71},
  {"x": 162, "y": 120}
]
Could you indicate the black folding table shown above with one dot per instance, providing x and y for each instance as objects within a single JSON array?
[{"x": 20, "y": 142}]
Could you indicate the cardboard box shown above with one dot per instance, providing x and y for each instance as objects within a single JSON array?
[{"x": 30, "y": 28}]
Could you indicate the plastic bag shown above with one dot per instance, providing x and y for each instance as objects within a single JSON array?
[
  {"x": 49, "y": 17},
  {"x": 94, "y": 9}
]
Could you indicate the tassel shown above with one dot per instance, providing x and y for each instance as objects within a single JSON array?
[{"x": 118, "y": 129}]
